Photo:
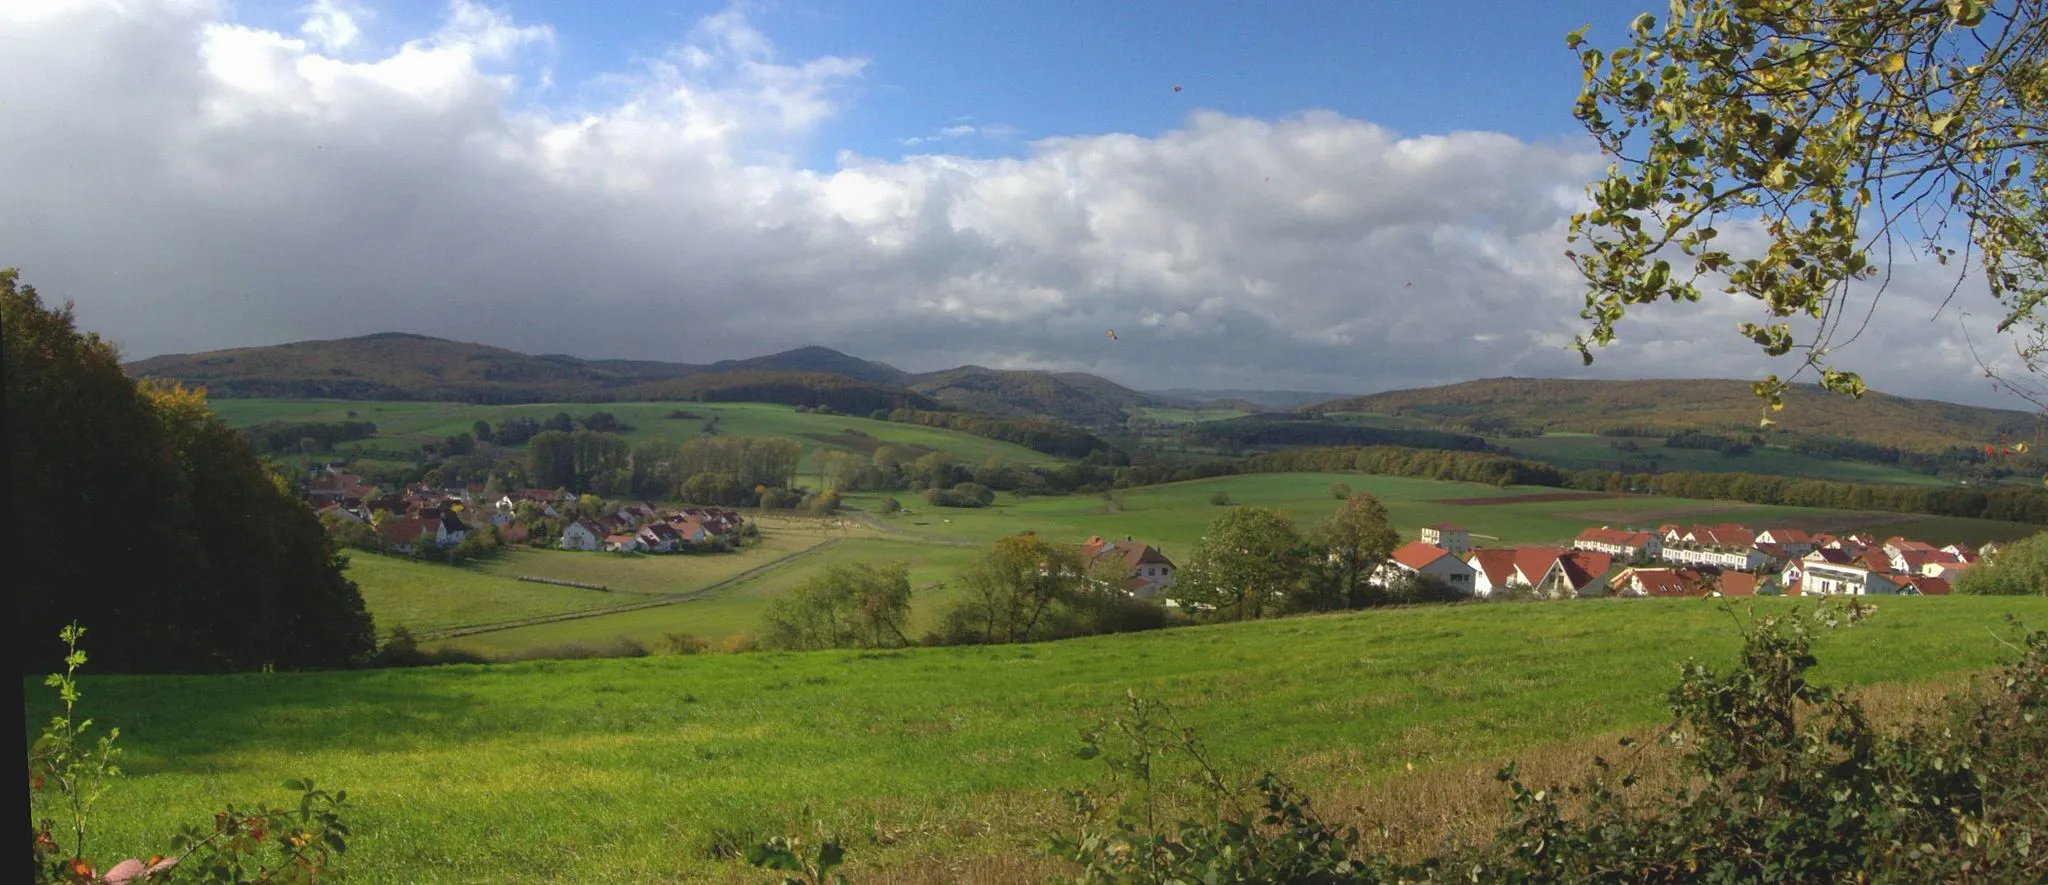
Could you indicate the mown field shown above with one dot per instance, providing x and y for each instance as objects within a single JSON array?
[
  {"x": 411, "y": 423},
  {"x": 929, "y": 762}
]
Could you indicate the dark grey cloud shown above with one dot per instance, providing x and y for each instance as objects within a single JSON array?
[{"x": 194, "y": 183}]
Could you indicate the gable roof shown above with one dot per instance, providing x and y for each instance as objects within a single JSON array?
[
  {"x": 1738, "y": 584},
  {"x": 1418, "y": 555},
  {"x": 1931, "y": 586},
  {"x": 1583, "y": 567},
  {"x": 1498, "y": 564}
]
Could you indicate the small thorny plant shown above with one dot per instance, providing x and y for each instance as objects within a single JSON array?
[
  {"x": 801, "y": 864},
  {"x": 68, "y": 773},
  {"x": 1787, "y": 781}
]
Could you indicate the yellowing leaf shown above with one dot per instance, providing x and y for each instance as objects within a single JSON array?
[{"x": 1894, "y": 63}]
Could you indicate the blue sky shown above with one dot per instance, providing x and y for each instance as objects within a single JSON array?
[
  {"x": 1346, "y": 196},
  {"x": 1040, "y": 69}
]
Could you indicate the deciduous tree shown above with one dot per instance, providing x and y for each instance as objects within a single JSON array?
[
  {"x": 1790, "y": 150},
  {"x": 1244, "y": 566}
]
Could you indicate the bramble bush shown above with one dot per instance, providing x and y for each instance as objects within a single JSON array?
[
  {"x": 1787, "y": 781},
  {"x": 67, "y": 774}
]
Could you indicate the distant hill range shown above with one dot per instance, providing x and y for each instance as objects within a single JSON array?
[
  {"x": 1249, "y": 400},
  {"x": 394, "y": 366},
  {"x": 1074, "y": 397},
  {"x": 1664, "y": 407}
]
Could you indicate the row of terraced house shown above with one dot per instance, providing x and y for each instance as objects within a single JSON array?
[{"x": 1701, "y": 560}]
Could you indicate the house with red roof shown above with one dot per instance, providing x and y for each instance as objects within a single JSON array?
[
  {"x": 1619, "y": 543},
  {"x": 1146, "y": 570},
  {"x": 1793, "y": 541},
  {"x": 1547, "y": 572},
  {"x": 582, "y": 535},
  {"x": 1423, "y": 558},
  {"x": 1663, "y": 582}
]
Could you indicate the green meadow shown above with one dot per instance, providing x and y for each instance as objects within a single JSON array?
[
  {"x": 655, "y": 769},
  {"x": 937, "y": 543},
  {"x": 412, "y": 423},
  {"x": 1585, "y": 451}
]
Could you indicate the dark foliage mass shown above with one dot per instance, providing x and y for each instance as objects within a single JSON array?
[
  {"x": 287, "y": 436},
  {"x": 1277, "y": 430},
  {"x": 1036, "y": 434},
  {"x": 134, "y": 509}
]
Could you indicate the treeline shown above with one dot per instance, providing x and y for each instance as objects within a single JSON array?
[
  {"x": 1036, "y": 434},
  {"x": 2013, "y": 503},
  {"x": 1266, "y": 430},
  {"x": 138, "y": 514},
  {"x": 1693, "y": 439},
  {"x": 290, "y": 436},
  {"x": 713, "y": 469},
  {"x": 810, "y": 389}
]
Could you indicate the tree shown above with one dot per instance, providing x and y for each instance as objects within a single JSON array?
[
  {"x": 1358, "y": 540},
  {"x": 1340, "y": 491},
  {"x": 2021, "y": 569},
  {"x": 1248, "y": 562},
  {"x": 221, "y": 566},
  {"x": 481, "y": 430},
  {"x": 857, "y": 605},
  {"x": 1823, "y": 136},
  {"x": 1010, "y": 591}
]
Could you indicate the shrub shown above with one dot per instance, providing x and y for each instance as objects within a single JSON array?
[
  {"x": 1219, "y": 499},
  {"x": 888, "y": 505},
  {"x": 683, "y": 644},
  {"x": 738, "y": 643},
  {"x": 1340, "y": 491},
  {"x": 403, "y": 650},
  {"x": 622, "y": 647},
  {"x": 67, "y": 775},
  {"x": 1786, "y": 781}
]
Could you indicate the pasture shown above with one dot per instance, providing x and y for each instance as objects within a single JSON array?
[
  {"x": 1585, "y": 451},
  {"x": 928, "y": 762}
]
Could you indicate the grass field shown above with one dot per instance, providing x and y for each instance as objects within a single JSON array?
[
  {"x": 1174, "y": 515},
  {"x": 737, "y": 609},
  {"x": 414, "y": 422},
  {"x": 649, "y": 769},
  {"x": 1583, "y": 451}
]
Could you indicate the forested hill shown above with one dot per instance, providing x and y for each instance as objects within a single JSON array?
[
  {"x": 1664, "y": 407},
  {"x": 1074, "y": 397},
  {"x": 396, "y": 366}
]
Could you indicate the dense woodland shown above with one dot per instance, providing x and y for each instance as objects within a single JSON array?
[{"x": 136, "y": 510}]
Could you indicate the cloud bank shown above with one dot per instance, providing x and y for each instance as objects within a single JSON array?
[{"x": 194, "y": 182}]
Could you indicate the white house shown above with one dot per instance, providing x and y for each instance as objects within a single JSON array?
[
  {"x": 1146, "y": 570},
  {"x": 1619, "y": 543},
  {"x": 1794, "y": 541},
  {"x": 581, "y": 535},
  {"x": 1848, "y": 579},
  {"x": 1423, "y": 558},
  {"x": 1448, "y": 537},
  {"x": 1551, "y": 572},
  {"x": 1742, "y": 559}
]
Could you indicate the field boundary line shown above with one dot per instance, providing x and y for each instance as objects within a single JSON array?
[{"x": 713, "y": 587}]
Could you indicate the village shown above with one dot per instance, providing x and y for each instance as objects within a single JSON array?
[
  {"x": 420, "y": 516},
  {"x": 1700, "y": 560}
]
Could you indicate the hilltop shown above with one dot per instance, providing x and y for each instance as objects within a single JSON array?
[
  {"x": 1663, "y": 407},
  {"x": 1074, "y": 397},
  {"x": 401, "y": 366}
]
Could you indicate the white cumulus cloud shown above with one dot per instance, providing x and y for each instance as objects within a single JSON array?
[{"x": 194, "y": 182}]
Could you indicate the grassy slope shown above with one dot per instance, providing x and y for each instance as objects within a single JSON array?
[
  {"x": 1712, "y": 405},
  {"x": 738, "y": 609},
  {"x": 634, "y": 770},
  {"x": 1578, "y": 451},
  {"x": 414, "y": 422}
]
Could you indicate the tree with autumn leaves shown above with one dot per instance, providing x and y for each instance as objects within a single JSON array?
[
  {"x": 139, "y": 513},
  {"x": 1795, "y": 152}
]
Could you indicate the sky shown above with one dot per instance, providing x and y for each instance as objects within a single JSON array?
[{"x": 1340, "y": 196}]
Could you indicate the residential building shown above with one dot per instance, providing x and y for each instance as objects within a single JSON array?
[
  {"x": 1146, "y": 570},
  {"x": 1447, "y": 537},
  {"x": 1619, "y": 543},
  {"x": 1424, "y": 558}
]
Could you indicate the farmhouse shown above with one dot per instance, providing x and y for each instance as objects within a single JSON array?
[
  {"x": 582, "y": 535},
  {"x": 1424, "y": 558},
  {"x": 1146, "y": 570},
  {"x": 1449, "y": 537}
]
